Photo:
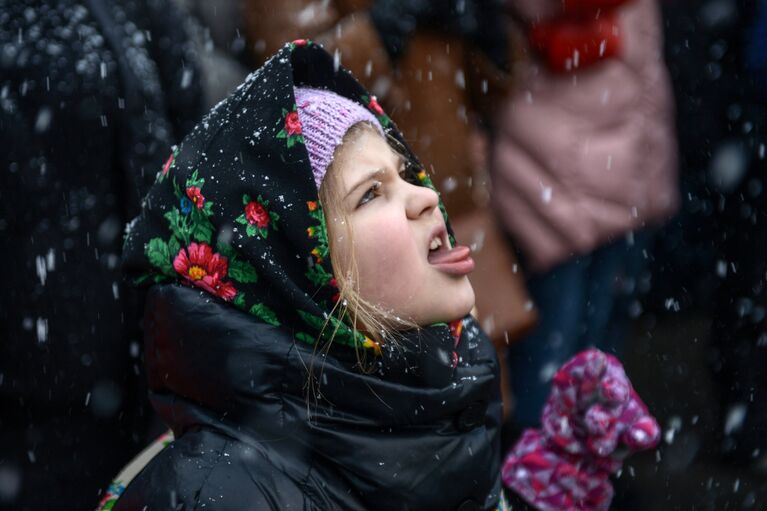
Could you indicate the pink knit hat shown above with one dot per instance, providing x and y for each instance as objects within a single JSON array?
[{"x": 325, "y": 118}]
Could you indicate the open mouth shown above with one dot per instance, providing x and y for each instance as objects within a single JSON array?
[
  {"x": 452, "y": 260},
  {"x": 439, "y": 242}
]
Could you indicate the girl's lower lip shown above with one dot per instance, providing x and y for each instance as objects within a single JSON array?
[{"x": 459, "y": 268}]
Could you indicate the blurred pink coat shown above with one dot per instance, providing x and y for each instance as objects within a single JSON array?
[{"x": 581, "y": 159}]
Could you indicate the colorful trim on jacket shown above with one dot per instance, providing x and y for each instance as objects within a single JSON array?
[{"x": 131, "y": 470}]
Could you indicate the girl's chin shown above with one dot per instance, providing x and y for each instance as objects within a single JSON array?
[
  {"x": 459, "y": 303},
  {"x": 457, "y": 312},
  {"x": 469, "y": 299}
]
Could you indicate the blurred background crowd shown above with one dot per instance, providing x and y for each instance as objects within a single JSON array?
[{"x": 604, "y": 158}]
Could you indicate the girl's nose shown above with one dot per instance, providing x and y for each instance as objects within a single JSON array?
[{"x": 420, "y": 200}]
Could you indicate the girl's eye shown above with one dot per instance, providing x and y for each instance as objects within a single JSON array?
[{"x": 371, "y": 193}]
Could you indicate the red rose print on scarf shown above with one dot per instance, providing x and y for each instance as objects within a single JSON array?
[
  {"x": 291, "y": 130},
  {"x": 256, "y": 214},
  {"x": 195, "y": 195},
  {"x": 169, "y": 164},
  {"x": 293, "y": 124},
  {"x": 372, "y": 103},
  {"x": 166, "y": 167},
  {"x": 299, "y": 43},
  {"x": 257, "y": 218},
  {"x": 375, "y": 107}
]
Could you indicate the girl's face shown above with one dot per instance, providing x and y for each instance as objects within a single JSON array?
[{"x": 394, "y": 224}]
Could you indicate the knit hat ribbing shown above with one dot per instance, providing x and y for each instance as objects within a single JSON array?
[{"x": 325, "y": 118}]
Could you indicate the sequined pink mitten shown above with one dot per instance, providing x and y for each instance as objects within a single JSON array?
[
  {"x": 592, "y": 420},
  {"x": 552, "y": 480},
  {"x": 594, "y": 411}
]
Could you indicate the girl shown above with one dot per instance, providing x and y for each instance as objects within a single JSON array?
[{"x": 308, "y": 337}]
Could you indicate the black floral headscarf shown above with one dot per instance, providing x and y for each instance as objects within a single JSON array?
[{"x": 235, "y": 210}]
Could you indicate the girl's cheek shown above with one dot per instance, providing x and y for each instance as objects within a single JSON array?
[
  {"x": 392, "y": 228},
  {"x": 388, "y": 250}
]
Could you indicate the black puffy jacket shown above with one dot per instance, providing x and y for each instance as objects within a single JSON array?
[{"x": 249, "y": 436}]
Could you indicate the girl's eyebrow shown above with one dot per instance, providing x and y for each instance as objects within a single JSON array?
[{"x": 370, "y": 175}]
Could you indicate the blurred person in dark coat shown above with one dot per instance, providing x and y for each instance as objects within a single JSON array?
[
  {"x": 714, "y": 256},
  {"x": 216, "y": 30},
  {"x": 92, "y": 96}
]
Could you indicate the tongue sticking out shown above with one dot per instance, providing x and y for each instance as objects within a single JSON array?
[
  {"x": 453, "y": 261},
  {"x": 450, "y": 255}
]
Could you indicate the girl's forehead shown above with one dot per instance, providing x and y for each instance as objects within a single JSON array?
[{"x": 364, "y": 154}]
